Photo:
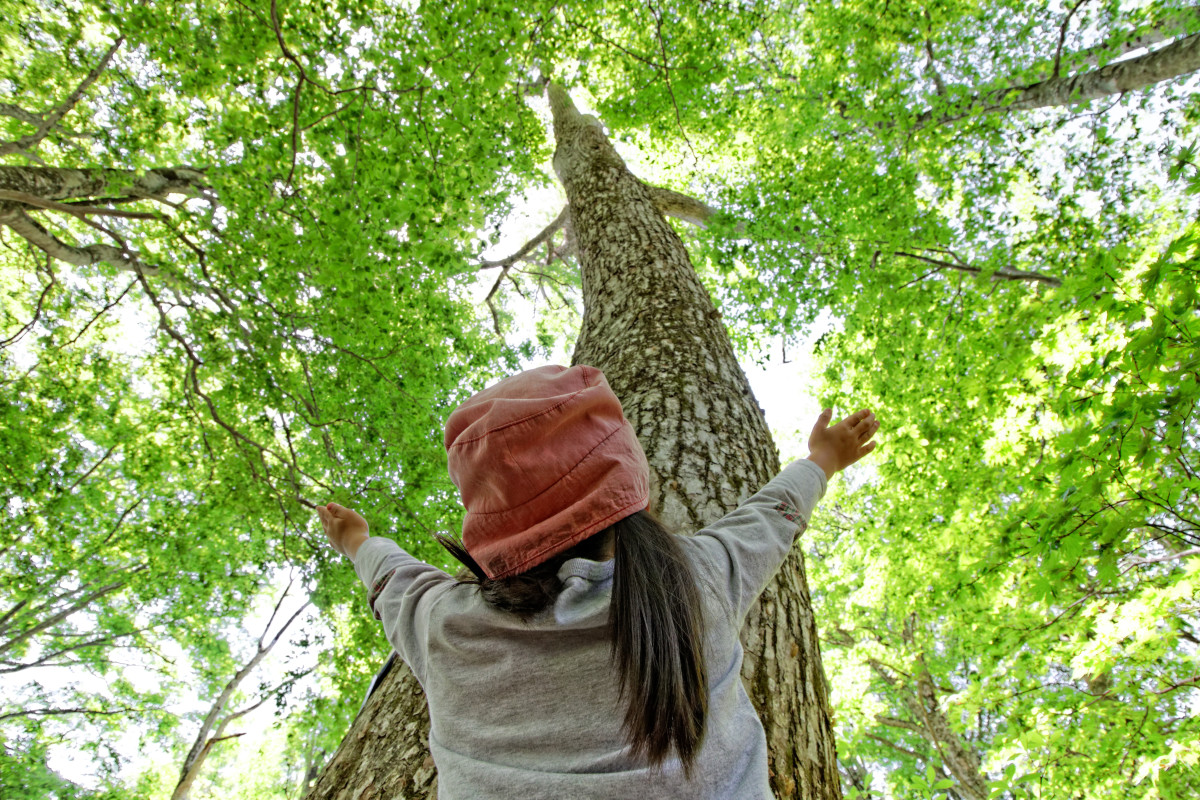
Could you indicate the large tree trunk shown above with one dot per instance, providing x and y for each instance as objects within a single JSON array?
[
  {"x": 651, "y": 327},
  {"x": 385, "y": 755}
]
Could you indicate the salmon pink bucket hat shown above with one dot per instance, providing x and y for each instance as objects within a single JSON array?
[{"x": 543, "y": 460}]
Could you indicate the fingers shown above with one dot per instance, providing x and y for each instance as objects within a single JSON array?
[
  {"x": 822, "y": 421},
  {"x": 858, "y": 417},
  {"x": 332, "y": 511},
  {"x": 861, "y": 425}
]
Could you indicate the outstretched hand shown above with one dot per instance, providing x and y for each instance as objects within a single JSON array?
[
  {"x": 835, "y": 447},
  {"x": 345, "y": 529}
]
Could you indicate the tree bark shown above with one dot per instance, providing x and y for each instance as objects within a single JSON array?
[
  {"x": 25, "y": 189},
  {"x": 36, "y": 234},
  {"x": 1170, "y": 26},
  {"x": 385, "y": 754},
  {"x": 1179, "y": 58},
  {"x": 54, "y": 183},
  {"x": 651, "y": 327}
]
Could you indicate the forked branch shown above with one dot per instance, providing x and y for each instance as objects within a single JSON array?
[{"x": 47, "y": 122}]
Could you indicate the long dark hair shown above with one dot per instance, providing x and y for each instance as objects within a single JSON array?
[{"x": 656, "y": 621}]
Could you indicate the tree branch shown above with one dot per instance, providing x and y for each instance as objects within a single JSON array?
[
  {"x": 1001, "y": 274},
  {"x": 892, "y": 722},
  {"x": 894, "y": 746},
  {"x": 666, "y": 72},
  {"x": 60, "y": 183},
  {"x": 1176, "y": 59},
  {"x": 1192, "y": 681},
  {"x": 1169, "y": 27},
  {"x": 18, "y": 113},
  {"x": 695, "y": 212},
  {"x": 12, "y": 611},
  {"x": 107, "y": 307},
  {"x": 56, "y": 712},
  {"x": 505, "y": 264},
  {"x": 1062, "y": 37},
  {"x": 559, "y": 222},
  {"x": 33, "y": 232},
  {"x": 50, "y": 120},
  {"x": 75, "y": 484},
  {"x": 45, "y": 660},
  {"x": 79, "y": 604},
  {"x": 73, "y": 208},
  {"x": 1141, "y": 562},
  {"x": 267, "y": 695},
  {"x": 675, "y": 204},
  {"x": 202, "y": 743},
  {"x": 37, "y": 310}
]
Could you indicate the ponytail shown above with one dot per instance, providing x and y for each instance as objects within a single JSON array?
[
  {"x": 658, "y": 642},
  {"x": 656, "y": 622}
]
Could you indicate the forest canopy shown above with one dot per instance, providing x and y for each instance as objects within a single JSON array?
[{"x": 242, "y": 271}]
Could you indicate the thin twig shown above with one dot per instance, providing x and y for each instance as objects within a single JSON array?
[
  {"x": 1062, "y": 38},
  {"x": 666, "y": 71},
  {"x": 37, "y": 311}
]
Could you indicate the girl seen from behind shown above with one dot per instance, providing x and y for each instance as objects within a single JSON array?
[{"x": 592, "y": 654}]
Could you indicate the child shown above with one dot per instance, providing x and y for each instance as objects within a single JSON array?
[{"x": 593, "y": 654}]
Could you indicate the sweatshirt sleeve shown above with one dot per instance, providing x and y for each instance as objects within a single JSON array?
[
  {"x": 745, "y": 548},
  {"x": 401, "y": 591}
]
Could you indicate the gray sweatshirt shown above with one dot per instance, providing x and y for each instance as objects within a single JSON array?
[{"x": 530, "y": 710}]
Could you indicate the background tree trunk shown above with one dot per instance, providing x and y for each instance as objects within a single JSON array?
[{"x": 651, "y": 327}]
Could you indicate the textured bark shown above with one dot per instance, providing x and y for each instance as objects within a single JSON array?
[
  {"x": 24, "y": 189},
  {"x": 54, "y": 183},
  {"x": 651, "y": 327},
  {"x": 36, "y": 234},
  {"x": 385, "y": 755},
  {"x": 1171, "y": 26},
  {"x": 1179, "y": 58}
]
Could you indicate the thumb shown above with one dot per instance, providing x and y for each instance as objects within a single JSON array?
[{"x": 822, "y": 421}]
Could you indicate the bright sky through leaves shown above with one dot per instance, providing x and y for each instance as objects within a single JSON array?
[{"x": 978, "y": 218}]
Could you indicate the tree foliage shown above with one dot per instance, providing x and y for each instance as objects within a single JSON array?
[{"x": 239, "y": 257}]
